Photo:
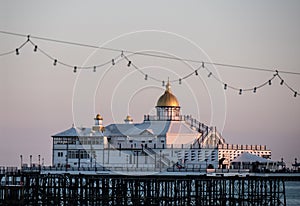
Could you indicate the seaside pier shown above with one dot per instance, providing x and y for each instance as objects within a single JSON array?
[
  {"x": 167, "y": 188},
  {"x": 167, "y": 159}
]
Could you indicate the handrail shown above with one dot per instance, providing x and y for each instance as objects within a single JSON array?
[
  {"x": 163, "y": 159},
  {"x": 194, "y": 123}
]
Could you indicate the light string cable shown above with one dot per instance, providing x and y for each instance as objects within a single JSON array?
[
  {"x": 211, "y": 74},
  {"x": 16, "y": 51},
  {"x": 146, "y": 76},
  {"x": 296, "y": 93},
  {"x": 221, "y": 65},
  {"x": 112, "y": 61}
]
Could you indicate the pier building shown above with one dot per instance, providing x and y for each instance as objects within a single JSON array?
[{"x": 167, "y": 139}]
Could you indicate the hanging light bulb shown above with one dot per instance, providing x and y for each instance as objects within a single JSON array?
[
  {"x": 202, "y": 64},
  {"x": 55, "y": 62},
  {"x": 270, "y": 82},
  {"x": 17, "y": 51},
  {"x": 163, "y": 83},
  {"x": 35, "y": 48},
  {"x": 295, "y": 95},
  {"x": 129, "y": 63},
  {"x": 196, "y": 72},
  {"x": 240, "y": 91},
  {"x": 225, "y": 86},
  {"x": 146, "y": 76},
  {"x": 179, "y": 81},
  {"x": 282, "y": 81},
  {"x": 254, "y": 90},
  {"x": 209, "y": 74},
  {"x": 113, "y": 62},
  {"x": 94, "y": 69},
  {"x": 75, "y": 69}
]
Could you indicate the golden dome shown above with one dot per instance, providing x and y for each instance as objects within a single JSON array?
[
  {"x": 167, "y": 99},
  {"x": 129, "y": 118},
  {"x": 98, "y": 117}
]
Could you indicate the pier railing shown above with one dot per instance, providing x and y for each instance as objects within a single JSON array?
[{"x": 128, "y": 168}]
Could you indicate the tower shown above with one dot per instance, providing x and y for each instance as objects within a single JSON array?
[
  {"x": 128, "y": 120},
  {"x": 98, "y": 123},
  {"x": 167, "y": 106}
]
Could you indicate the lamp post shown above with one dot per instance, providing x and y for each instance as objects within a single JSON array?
[
  {"x": 155, "y": 163},
  {"x": 137, "y": 159},
  {"x": 67, "y": 155},
  {"x": 78, "y": 159},
  {"x": 39, "y": 159},
  {"x": 95, "y": 157},
  {"x": 160, "y": 160},
  {"x": 30, "y": 157},
  {"x": 21, "y": 157},
  {"x": 103, "y": 156}
]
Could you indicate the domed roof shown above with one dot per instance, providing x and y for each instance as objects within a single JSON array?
[
  {"x": 98, "y": 117},
  {"x": 167, "y": 99},
  {"x": 128, "y": 118}
]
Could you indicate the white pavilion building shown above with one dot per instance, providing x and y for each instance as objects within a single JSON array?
[{"x": 166, "y": 140}]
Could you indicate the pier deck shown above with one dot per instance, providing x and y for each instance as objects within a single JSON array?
[{"x": 167, "y": 188}]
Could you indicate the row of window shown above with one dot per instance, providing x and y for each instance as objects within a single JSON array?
[
  {"x": 243, "y": 147},
  {"x": 76, "y": 154},
  {"x": 150, "y": 141},
  {"x": 76, "y": 140},
  {"x": 64, "y": 140},
  {"x": 252, "y": 152},
  {"x": 90, "y": 141}
]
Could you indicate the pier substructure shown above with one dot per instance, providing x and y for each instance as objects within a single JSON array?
[{"x": 110, "y": 189}]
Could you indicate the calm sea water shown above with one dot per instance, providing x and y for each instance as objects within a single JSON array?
[{"x": 292, "y": 191}]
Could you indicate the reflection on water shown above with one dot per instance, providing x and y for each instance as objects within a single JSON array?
[{"x": 292, "y": 191}]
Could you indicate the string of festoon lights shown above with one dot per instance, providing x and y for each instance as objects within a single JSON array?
[{"x": 123, "y": 56}]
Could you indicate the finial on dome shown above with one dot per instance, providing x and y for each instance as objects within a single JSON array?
[
  {"x": 167, "y": 99},
  {"x": 168, "y": 86}
]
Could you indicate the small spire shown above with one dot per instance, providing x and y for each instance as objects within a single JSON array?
[
  {"x": 128, "y": 119},
  {"x": 168, "y": 86}
]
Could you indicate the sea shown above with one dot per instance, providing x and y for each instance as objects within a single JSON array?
[{"x": 292, "y": 191}]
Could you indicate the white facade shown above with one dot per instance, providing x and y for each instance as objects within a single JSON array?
[{"x": 164, "y": 140}]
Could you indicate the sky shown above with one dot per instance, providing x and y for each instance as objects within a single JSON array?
[{"x": 38, "y": 100}]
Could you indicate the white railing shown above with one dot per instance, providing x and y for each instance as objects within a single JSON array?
[{"x": 151, "y": 153}]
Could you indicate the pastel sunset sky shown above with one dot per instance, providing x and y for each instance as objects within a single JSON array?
[{"x": 38, "y": 100}]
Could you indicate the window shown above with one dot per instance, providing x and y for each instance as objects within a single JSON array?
[
  {"x": 60, "y": 154},
  {"x": 75, "y": 154},
  {"x": 65, "y": 140}
]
